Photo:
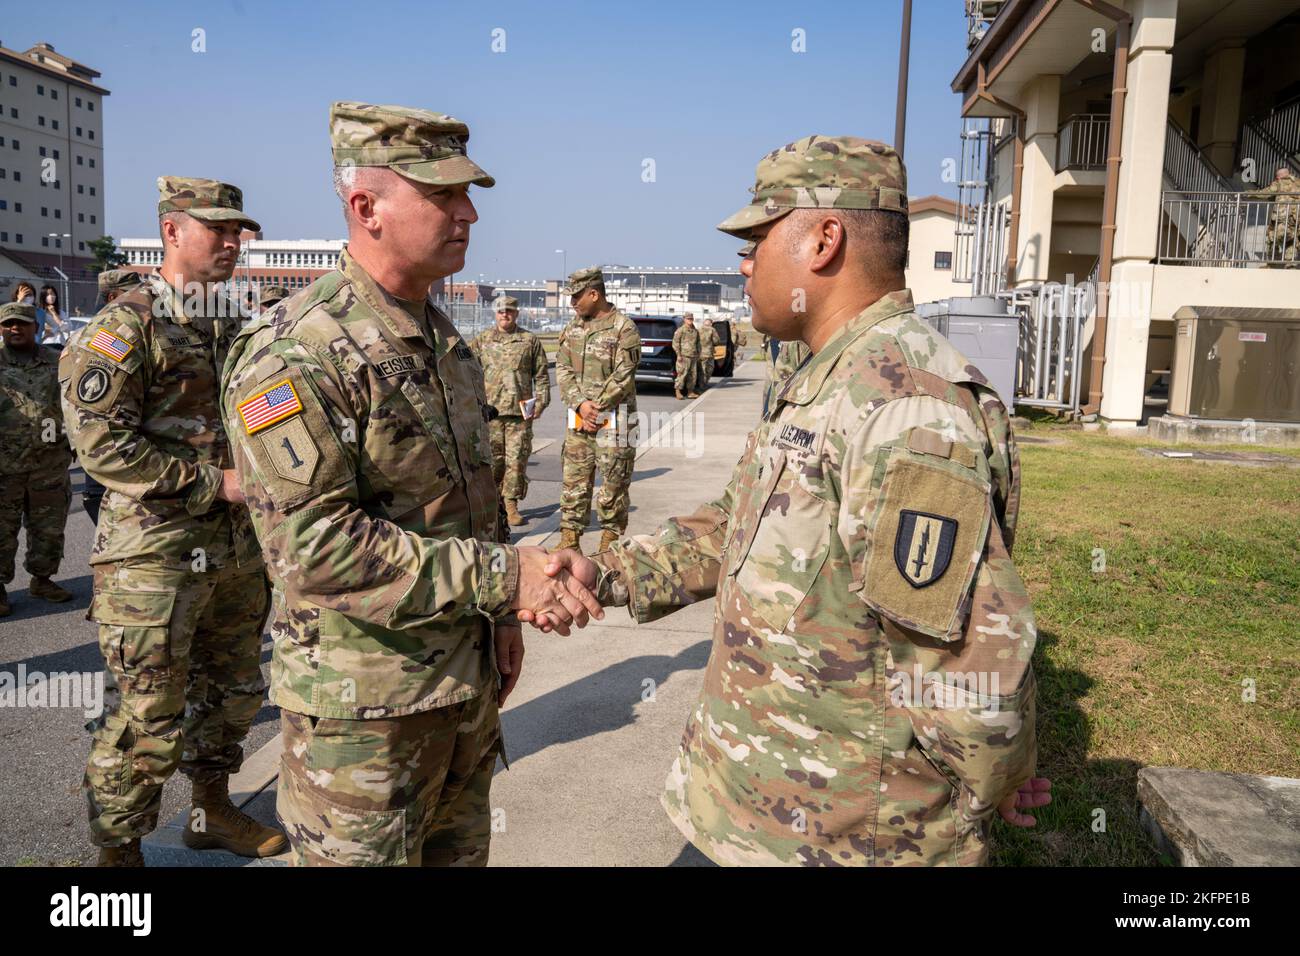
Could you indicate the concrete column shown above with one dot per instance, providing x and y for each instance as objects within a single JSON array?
[
  {"x": 1137, "y": 217},
  {"x": 1041, "y": 101},
  {"x": 1221, "y": 104}
]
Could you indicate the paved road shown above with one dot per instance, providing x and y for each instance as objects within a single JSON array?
[{"x": 42, "y": 811}]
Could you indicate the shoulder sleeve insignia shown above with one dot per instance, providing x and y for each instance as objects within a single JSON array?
[
  {"x": 267, "y": 407},
  {"x": 106, "y": 343},
  {"x": 923, "y": 546}
]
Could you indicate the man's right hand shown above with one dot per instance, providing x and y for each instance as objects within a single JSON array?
[
  {"x": 229, "y": 489},
  {"x": 590, "y": 416},
  {"x": 555, "y": 600},
  {"x": 564, "y": 564}
]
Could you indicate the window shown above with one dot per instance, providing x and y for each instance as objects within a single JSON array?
[
  {"x": 2, "y": 174},
  {"x": 13, "y": 112},
  {"x": 58, "y": 214},
  {"x": 92, "y": 162},
  {"x": 45, "y": 241},
  {"x": 92, "y": 134},
  {"x": 4, "y": 237},
  {"x": 81, "y": 189},
  {"x": 54, "y": 94},
  {"x": 79, "y": 161},
  {"x": 18, "y": 207},
  {"x": 4, "y": 204},
  {"x": 81, "y": 217},
  {"x": 90, "y": 105},
  {"x": 40, "y": 90},
  {"x": 41, "y": 150},
  {"x": 2, "y": 139},
  {"x": 92, "y": 192},
  {"x": 16, "y": 144},
  {"x": 45, "y": 211},
  {"x": 81, "y": 246},
  {"x": 18, "y": 238},
  {"x": 56, "y": 154},
  {"x": 13, "y": 81},
  {"x": 54, "y": 123},
  {"x": 92, "y": 219},
  {"x": 40, "y": 121},
  {"x": 943, "y": 260},
  {"x": 78, "y": 100},
  {"x": 78, "y": 130}
]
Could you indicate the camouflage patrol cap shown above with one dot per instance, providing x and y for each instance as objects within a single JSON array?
[
  {"x": 822, "y": 172},
  {"x": 204, "y": 199},
  {"x": 582, "y": 280},
  {"x": 503, "y": 302},
  {"x": 271, "y": 294},
  {"x": 24, "y": 311},
  {"x": 119, "y": 279},
  {"x": 420, "y": 145}
]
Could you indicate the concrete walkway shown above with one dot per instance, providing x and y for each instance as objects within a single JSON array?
[{"x": 595, "y": 721}]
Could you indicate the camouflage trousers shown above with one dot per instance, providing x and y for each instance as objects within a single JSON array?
[
  {"x": 582, "y": 454},
  {"x": 688, "y": 373},
  {"x": 396, "y": 791},
  {"x": 512, "y": 445},
  {"x": 37, "y": 500},
  {"x": 184, "y": 648},
  {"x": 705, "y": 371}
]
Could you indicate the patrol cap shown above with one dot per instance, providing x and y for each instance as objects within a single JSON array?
[
  {"x": 822, "y": 172},
  {"x": 269, "y": 295},
  {"x": 746, "y": 249},
  {"x": 204, "y": 199},
  {"x": 582, "y": 280},
  {"x": 119, "y": 279},
  {"x": 18, "y": 310},
  {"x": 420, "y": 145},
  {"x": 503, "y": 302}
]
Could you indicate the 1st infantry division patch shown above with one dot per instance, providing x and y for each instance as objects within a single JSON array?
[{"x": 268, "y": 407}]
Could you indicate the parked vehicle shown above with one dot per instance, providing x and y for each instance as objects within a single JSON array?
[{"x": 659, "y": 361}]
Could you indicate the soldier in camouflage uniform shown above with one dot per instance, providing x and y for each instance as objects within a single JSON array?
[
  {"x": 1283, "y": 233},
  {"x": 514, "y": 370},
  {"x": 180, "y": 593},
  {"x": 595, "y": 365},
  {"x": 708, "y": 341},
  {"x": 34, "y": 456},
  {"x": 780, "y": 360},
  {"x": 686, "y": 346},
  {"x": 359, "y": 422},
  {"x": 869, "y": 699},
  {"x": 268, "y": 296}
]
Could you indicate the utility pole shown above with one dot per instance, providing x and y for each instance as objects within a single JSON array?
[{"x": 900, "y": 111}]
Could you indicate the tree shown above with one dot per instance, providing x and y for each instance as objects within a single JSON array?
[{"x": 106, "y": 254}]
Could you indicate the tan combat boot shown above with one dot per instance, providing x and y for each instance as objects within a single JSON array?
[
  {"x": 47, "y": 590},
  {"x": 607, "y": 538},
  {"x": 222, "y": 825},
  {"x": 679, "y": 395},
  {"x": 692, "y": 394},
  {"x": 128, "y": 854},
  {"x": 569, "y": 539},
  {"x": 5, "y": 609},
  {"x": 513, "y": 517}
]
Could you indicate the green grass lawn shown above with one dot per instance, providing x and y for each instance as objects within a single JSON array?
[{"x": 1143, "y": 663}]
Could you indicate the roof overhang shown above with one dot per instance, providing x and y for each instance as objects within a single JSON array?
[{"x": 1237, "y": 313}]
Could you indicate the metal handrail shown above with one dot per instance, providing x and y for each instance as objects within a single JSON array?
[
  {"x": 1233, "y": 230},
  {"x": 1187, "y": 167},
  {"x": 1081, "y": 141}
]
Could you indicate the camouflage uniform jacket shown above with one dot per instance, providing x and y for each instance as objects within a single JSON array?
[
  {"x": 140, "y": 400},
  {"x": 31, "y": 422},
  {"x": 708, "y": 340},
  {"x": 596, "y": 361},
  {"x": 861, "y": 550},
  {"x": 782, "y": 359},
  {"x": 686, "y": 341},
  {"x": 514, "y": 369},
  {"x": 362, "y": 445}
]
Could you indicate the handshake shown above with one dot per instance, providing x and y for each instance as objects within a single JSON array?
[{"x": 556, "y": 589}]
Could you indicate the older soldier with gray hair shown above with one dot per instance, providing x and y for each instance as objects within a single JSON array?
[
  {"x": 870, "y": 698},
  {"x": 180, "y": 591},
  {"x": 519, "y": 388},
  {"x": 359, "y": 422}
]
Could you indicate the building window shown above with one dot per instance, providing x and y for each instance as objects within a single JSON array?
[
  {"x": 18, "y": 238},
  {"x": 81, "y": 189},
  {"x": 58, "y": 214},
  {"x": 4, "y": 204},
  {"x": 4, "y": 237},
  {"x": 2, "y": 139},
  {"x": 943, "y": 260},
  {"x": 45, "y": 241},
  {"x": 16, "y": 144},
  {"x": 40, "y": 120},
  {"x": 2, "y": 174},
  {"x": 78, "y": 100},
  {"x": 18, "y": 176},
  {"x": 80, "y": 161},
  {"x": 41, "y": 150},
  {"x": 18, "y": 207},
  {"x": 54, "y": 123},
  {"x": 40, "y": 90},
  {"x": 92, "y": 134},
  {"x": 92, "y": 162},
  {"x": 13, "y": 112},
  {"x": 81, "y": 217},
  {"x": 78, "y": 130},
  {"x": 45, "y": 211},
  {"x": 92, "y": 192},
  {"x": 90, "y": 105},
  {"x": 92, "y": 219},
  {"x": 13, "y": 81},
  {"x": 54, "y": 94},
  {"x": 81, "y": 246}
]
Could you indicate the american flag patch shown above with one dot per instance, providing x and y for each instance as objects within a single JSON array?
[
  {"x": 106, "y": 343},
  {"x": 266, "y": 408}
]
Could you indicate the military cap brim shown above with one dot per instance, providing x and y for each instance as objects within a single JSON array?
[
  {"x": 222, "y": 214},
  {"x": 450, "y": 171},
  {"x": 22, "y": 311},
  {"x": 743, "y": 223}
]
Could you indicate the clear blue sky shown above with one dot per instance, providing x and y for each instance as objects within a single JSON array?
[{"x": 563, "y": 119}]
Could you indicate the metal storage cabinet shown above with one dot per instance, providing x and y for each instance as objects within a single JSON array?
[
  {"x": 1236, "y": 363},
  {"x": 982, "y": 330}
]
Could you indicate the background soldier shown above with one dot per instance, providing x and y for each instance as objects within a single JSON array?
[
  {"x": 180, "y": 593},
  {"x": 828, "y": 731},
  {"x": 514, "y": 370},
  {"x": 686, "y": 346},
  {"x": 269, "y": 295},
  {"x": 708, "y": 340},
  {"x": 34, "y": 456},
  {"x": 781, "y": 359},
  {"x": 596, "y": 367},
  {"x": 360, "y": 428},
  {"x": 1283, "y": 233}
]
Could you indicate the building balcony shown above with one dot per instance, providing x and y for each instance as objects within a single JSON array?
[{"x": 1081, "y": 142}]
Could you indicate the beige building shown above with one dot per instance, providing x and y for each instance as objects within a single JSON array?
[
  {"x": 1117, "y": 143},
  {"x": 932, "y": 221},
  {"x": 51, "y": 163}
]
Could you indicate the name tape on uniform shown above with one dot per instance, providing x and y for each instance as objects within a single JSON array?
[
  {"x": 106, "y": 343},
  {"x": 268, "y": 407}
]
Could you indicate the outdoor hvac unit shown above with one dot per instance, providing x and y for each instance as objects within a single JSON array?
[
  {"x": 1236, "y": 363},
  {"x": 981, "y": 330}
]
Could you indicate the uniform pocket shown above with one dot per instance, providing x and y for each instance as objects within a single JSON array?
[
  {"x": 329, "y": 833},
  {"x": 136, "y": 639}
]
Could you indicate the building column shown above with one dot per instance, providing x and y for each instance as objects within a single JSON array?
[
  {"x": 1137, "y": 216},
  {"x": 1221, "y": 104},
  {"x": 1041, "y": 100}
]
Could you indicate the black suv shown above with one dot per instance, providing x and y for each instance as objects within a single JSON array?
[{"x": 659, "y": 361}]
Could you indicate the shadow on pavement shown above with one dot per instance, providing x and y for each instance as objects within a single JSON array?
[{"x": 594, "y": 704}]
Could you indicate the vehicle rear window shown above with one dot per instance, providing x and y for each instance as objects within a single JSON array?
[{"x": 656, "y": 328}]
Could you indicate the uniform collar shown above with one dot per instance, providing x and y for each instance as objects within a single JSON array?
[
  {"x": 172, "y": 298},
  {"x": 596, "y": 323},
  {"x": 384, "y": 304},
  {"x": 807, "y": 382}
]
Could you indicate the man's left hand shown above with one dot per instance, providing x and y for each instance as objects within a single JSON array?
[
  {"x": 509, "y": 640},
  {"x": 1035, "y": 792}
]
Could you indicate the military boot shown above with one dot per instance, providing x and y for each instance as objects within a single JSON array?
[
  {"x": 607, "y": 538},
  {"x": 222, "y": 825},
  {"x": 569, "y": 539},
  {"x": 5, "y": 609},
  {"x": 47, "y": 590},
  {"x": 692, "y": 394},
  {"x": 679, "y": 395},
  {"x": 513, "y": 517},
  {"x": 128, "y": 854}
]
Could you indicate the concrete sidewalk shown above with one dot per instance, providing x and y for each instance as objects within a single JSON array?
[{"x": 595, "y": 721}]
